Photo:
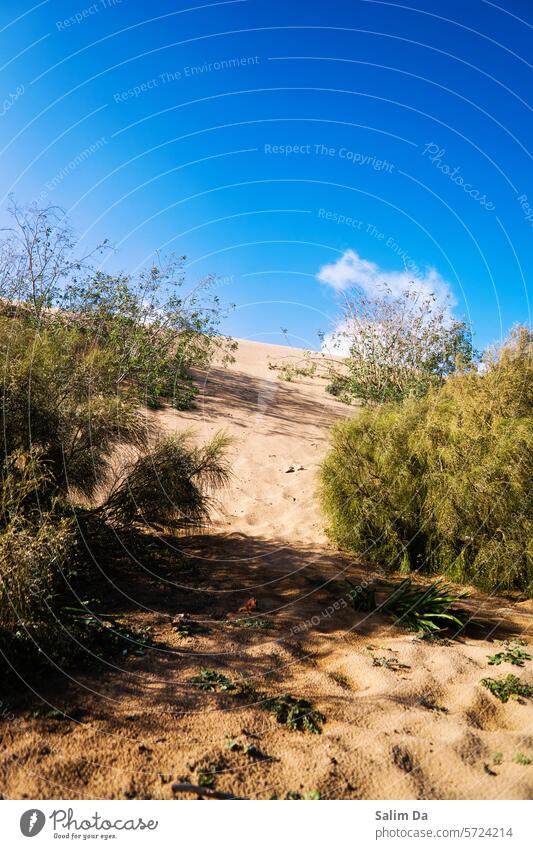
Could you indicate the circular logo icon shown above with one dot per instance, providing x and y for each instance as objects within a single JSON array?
[{"x": 32, "y": 822}]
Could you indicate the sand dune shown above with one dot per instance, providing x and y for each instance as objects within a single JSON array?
[{"x": 420, "y": 727}]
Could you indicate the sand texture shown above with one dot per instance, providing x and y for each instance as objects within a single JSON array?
[{"x": 419, "y": 727}]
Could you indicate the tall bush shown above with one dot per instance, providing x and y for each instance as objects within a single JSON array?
[
  {"x": 387, "y": 347},
  {"x": 442, "y": 483}
]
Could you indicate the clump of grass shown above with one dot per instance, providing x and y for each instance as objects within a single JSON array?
[
  {"x": 212, "y": 681},
  {"x": 442, "y": 483},
  {"x": 522, "y": 759},
  {"x": 426, "y": 610},
  {"x": 513, "y": 653},
  {"x": 507, "y": 688},
  {"x": 497, "y": 759}
]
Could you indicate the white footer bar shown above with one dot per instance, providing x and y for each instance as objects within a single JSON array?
[{"x": 260, "y": 825}]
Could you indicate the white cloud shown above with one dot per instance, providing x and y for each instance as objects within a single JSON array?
[{"x": 352, "y": 270}]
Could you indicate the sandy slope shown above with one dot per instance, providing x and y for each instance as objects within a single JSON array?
[{"x": 139, "y": 724}]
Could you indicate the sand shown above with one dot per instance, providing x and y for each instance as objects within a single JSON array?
[{"x": 423, "y": 729}]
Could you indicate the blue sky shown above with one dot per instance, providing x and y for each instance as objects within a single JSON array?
[{"x": 291, "y": 148}]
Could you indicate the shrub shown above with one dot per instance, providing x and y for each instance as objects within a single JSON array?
[
  {"x": 442, "y": 483},
  {"x": 389, "y": 347},
  {"x": 81, "y": 353}
]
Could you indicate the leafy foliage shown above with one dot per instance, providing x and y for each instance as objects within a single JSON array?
[
  {"x": 513, "y": 653},
  {"x": 442, "y": 483},
  {"x": 209, "y": 679},
  {"x": 296, "y": 714},
  {"x": 507, "y": 688},
  {"x": 522, "y": 759}
]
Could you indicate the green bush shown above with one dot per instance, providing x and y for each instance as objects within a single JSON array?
[
  {"x": 442, "y": 483},
  {"x": 80, "y": 458},
  {"x": 388, "y": 347}
]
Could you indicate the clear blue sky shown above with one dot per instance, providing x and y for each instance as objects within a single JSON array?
[{"x": 290, "y": 147}]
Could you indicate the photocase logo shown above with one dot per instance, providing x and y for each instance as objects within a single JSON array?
[{"x": 32, "y": 822}]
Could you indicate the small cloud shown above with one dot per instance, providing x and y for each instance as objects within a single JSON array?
[{"x": 351, "y": 270}]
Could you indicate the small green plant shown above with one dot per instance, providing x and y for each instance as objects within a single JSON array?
[
  {"x": 430, "y": 705},
  {"x": 207, "y": 770},
  {"x": 312, "y": 795},
  {"x": 522, "y": 759},
  {"x": 207, "y": 776},
  {"x": 246, "y": 689},
  {"x": 213, "y": 681},
  {"x": 425, "y": 609},
  {"x": 296, "y": 714},
  {"x": 390, "y": 662},
  {"x": 385, "y": 662},
  {"x": 341, "y": 679},
  {"x": 507, "y": 688},
  {"x": 189, "y": 629},
  {"x": 513, "y": 653},
  {"x": 497, "y": 760},
  {"x": 252, "y": 751}
]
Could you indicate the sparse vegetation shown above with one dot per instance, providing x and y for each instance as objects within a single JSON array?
[
  {"x": 522, "y": 759},
  {"x": 296, "y": 714},
  {"x": 386, "y": 662},
  {"x": 513, "y": 653},
  {"x": 312, "y": 795},
  {"x": 442, "y": 483},
  {"x": 188, "y": 628},
  {"x": 341, "y": 679},
  {"x": 209, "y": 679},
  {"x": 507, "y": 688}
]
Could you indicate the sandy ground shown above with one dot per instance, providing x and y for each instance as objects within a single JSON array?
[{"x": 423, "y": 729}]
